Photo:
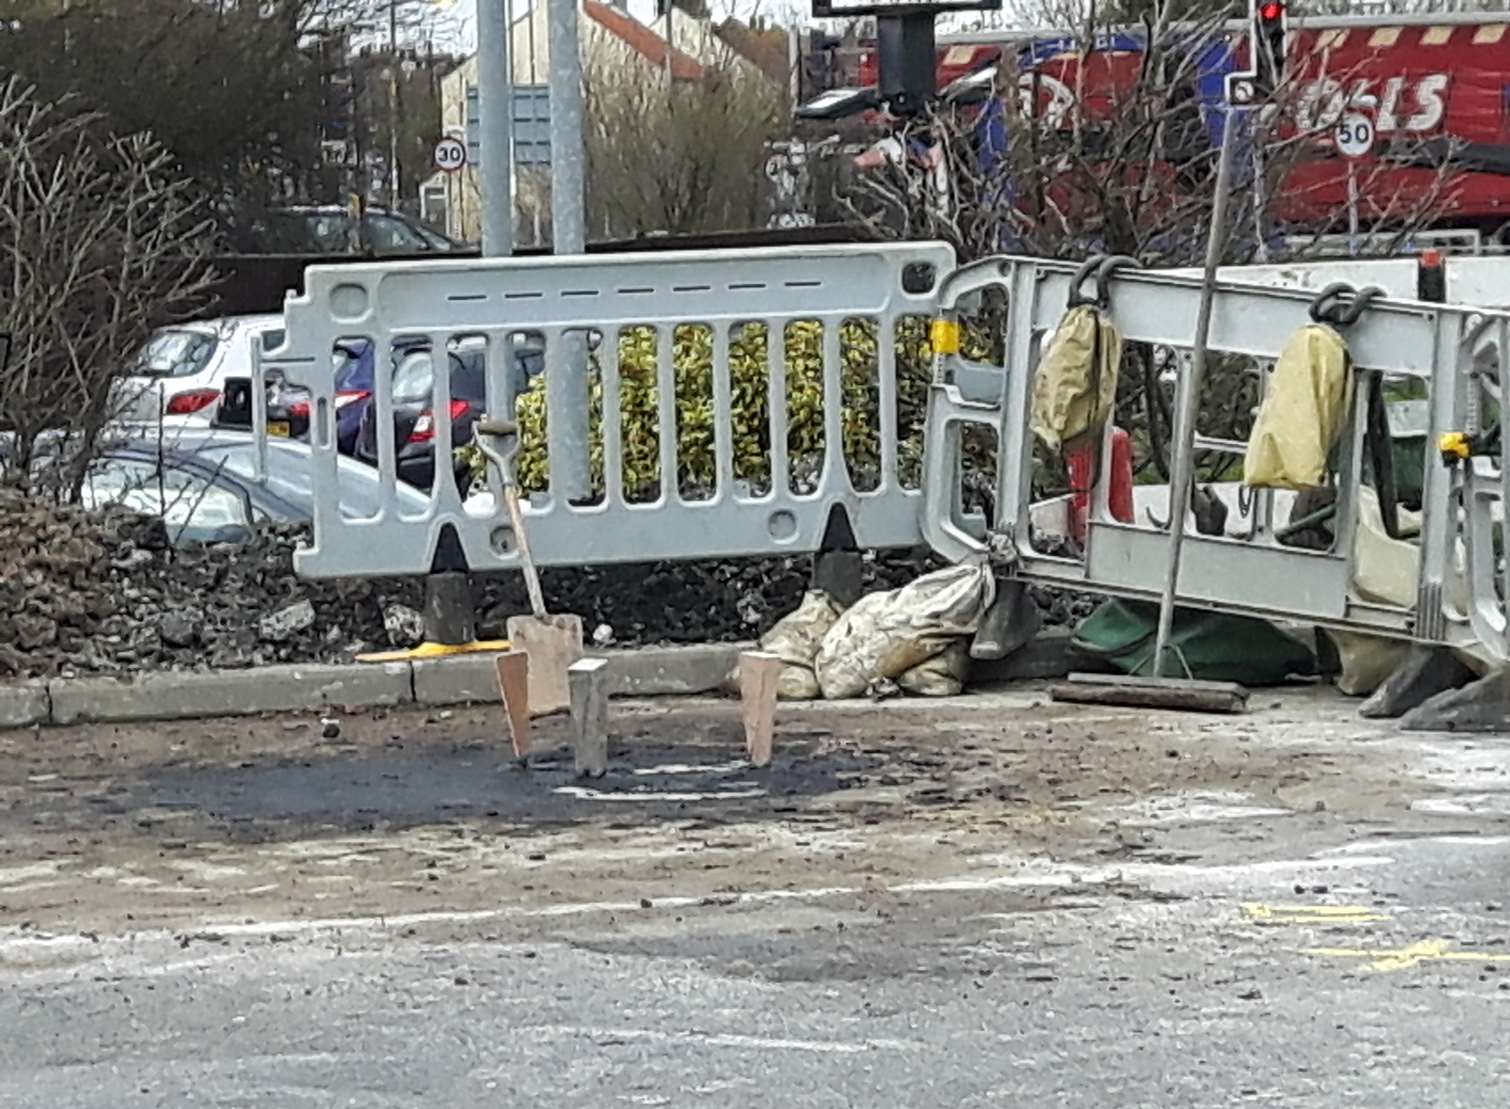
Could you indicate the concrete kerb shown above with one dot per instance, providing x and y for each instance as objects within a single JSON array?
[
  {"x": 186, "y": 695},
  {"x": 23, "y": 706},
  {"x": 457, "y": 680}
]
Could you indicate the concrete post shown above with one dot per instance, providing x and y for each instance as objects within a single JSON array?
[{"x": 566, "y": 382}]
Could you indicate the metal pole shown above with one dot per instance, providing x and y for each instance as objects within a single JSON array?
[
  {"x": 393, "y": 181},
  {"x": 1260, "y": 198},
  {"x": 495, "y": 111},
  {"x": 1352, "y": 207},
  {"x": 1190, "y": 395},
  {"x": 568, "y": 189},
  {"x": 567, "y": 392}
]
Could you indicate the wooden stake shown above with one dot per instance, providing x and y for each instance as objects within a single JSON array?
[
  {"x": 589, "y": 715},
  {"x": 758, "y": 675},
  {"x": 514, "y": 691},
  {"x": 1154, "y": 693}
]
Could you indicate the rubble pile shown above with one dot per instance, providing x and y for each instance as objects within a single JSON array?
[{"x": 101, "y": 593}]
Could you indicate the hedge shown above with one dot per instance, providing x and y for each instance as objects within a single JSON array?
[{"x": 692, "y": 361}]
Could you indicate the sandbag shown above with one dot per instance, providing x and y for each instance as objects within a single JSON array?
[
  {"x": 1303, "y": 412},
  {"x": 795, "y": 639},
  {"x": 887, "y": 634},
  {"x": 1384, "y": 572},
  {"x": 941, "y": 676},
  {"x": 1075, "y": 385}
]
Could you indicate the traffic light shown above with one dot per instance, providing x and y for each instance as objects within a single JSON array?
[{"x": 1268, "y": 46}]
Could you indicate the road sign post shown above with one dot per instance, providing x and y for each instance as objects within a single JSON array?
[{"x": 1354, "y": 138}]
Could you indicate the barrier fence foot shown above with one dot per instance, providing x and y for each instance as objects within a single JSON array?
[
  {"x": 1480, "y": 706},
  {"x": 450, "y": 624},
  {"x": 553, "y": 643},
  {"x": 514, "y": 691},
  {"x": 448, "y": 614},
  {"x": 840, "y": 575},
  {"x": 588, "y": 679},
  {"x": 1009, "y": 624},
  {"x": 759, "y": 672},
  {"x": 1425, "y": 672}
]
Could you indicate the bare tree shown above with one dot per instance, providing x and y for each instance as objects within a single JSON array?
[
  {"x": 237, "y": 90},
  {"x": 685, "y": 159},
  {"x": 100, "y": 240}
]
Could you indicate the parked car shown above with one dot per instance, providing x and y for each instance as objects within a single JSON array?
[
  {"x": 333, "y": 229},
  {"x": 414, "y": 418},
  {"x": 206, "y": 489},
  {"x": 177, "y": 378},
  {"x": 352, "y": 366}
]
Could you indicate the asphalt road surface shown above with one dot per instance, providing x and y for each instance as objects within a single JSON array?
[{"x": 985, "y": 901}]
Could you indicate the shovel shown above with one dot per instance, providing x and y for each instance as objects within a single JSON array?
[{"x": 552, "y": 643}]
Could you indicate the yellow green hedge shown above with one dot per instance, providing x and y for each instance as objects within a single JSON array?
[{"x": 692, "y": 360}]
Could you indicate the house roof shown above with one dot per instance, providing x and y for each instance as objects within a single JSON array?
[
  {"x": 765, "y": 49},
  {"x": 643, "y": 40}
]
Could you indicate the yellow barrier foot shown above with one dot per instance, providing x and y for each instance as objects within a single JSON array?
[{"x": 437, "y": 650}]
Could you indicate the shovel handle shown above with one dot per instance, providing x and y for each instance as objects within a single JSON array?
[{"x": 531, "y": 575}]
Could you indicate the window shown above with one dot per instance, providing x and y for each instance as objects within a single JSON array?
[
  {"x": 186, "y": 500},
  {"x": 413, "y": 377},
  {"x": 331, "y": 232},
  {"x": 388, "y": 235},
  {"x": 174, "y": 352}
]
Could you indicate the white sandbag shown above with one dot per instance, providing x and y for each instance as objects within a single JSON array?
[
  {"x": 795, "y": 639},
  {"x": 941, "y": 676},
  {"x": 1384, "y": 572},
  {"x": 886, "y": 634}
]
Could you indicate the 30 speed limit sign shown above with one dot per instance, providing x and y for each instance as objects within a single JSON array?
[
  {"x": 1354, "y": 135},
  {"x": 450, "y": 154}
]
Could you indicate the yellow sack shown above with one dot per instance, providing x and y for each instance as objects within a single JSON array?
[
  {"x": 1075, "y": 388},
  {"x": 1303, "y": 412}
]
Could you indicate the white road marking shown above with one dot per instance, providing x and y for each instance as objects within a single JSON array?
[
  {"x": 585, "y": 794},
  {"x": 719, "y": 1039}
]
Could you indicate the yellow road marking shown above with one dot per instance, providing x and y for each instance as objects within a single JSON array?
[
  {"x": 1385, "y": 959},
  {"x": 1260, "y": 913}
]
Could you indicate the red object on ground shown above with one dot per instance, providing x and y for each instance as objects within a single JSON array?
[{"x": 1082, "y": 466}]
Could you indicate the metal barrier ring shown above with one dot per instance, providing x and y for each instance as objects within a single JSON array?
[
  {"x": 1323, "y": 309},
  {"x": 1077, "y": 298},
  {"x": 1349, "y": 314},
  {"x": 1109, "y": 266}
]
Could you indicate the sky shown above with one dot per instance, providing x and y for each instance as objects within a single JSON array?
[{"x": 456, "y": 19}]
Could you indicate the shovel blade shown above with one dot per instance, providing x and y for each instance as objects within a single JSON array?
[{"x": 552, "y": 643}]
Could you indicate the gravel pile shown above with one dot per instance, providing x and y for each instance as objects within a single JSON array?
[{"x": 102, "y": 593}]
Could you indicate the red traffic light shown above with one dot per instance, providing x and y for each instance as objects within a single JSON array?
[{"x": 1271, "y": 12}]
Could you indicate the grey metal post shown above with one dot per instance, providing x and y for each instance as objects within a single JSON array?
[
  {"x": 495, "y": 112},
  {"x": 566, "y": 377},
  {"x": 1190, "y": 394}
]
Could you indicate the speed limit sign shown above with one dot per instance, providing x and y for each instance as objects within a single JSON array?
[
  {"x": 450, "y": 154},
  {"x": 1354, "y": 135}
]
